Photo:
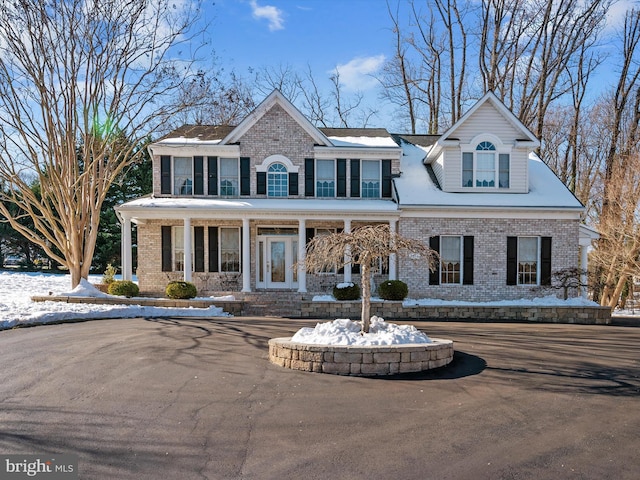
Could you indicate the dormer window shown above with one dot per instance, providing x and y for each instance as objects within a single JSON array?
[{"x": 485, "y": 166}]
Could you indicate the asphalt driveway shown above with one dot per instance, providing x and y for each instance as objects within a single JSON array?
[{"x": 198, "y": 399}]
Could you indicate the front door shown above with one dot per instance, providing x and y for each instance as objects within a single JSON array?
[{"x": 276, "y": 257}]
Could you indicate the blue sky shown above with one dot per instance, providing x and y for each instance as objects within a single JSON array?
[{"x": 352, "y": 35}]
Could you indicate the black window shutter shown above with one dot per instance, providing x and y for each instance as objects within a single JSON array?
[
  {"x": 341, "y": 168},
  {"x": 467, "y": 261},
  {"x": 245, "y": 176},
  {"x": 545, "y": 261},
  {"x": 309, "y": 177},
  {"x": 198, "y": 176},
  {"x": 512, "y": 260},
  {"x": 165, "y": 175},
  {"x": 434, "y": 276},
  {"x": 166, "y": 249},
  {"x": 261, "y": 183},
  {"x": 293, "y": 183},
  {"x": 386, "y": 178},
  {"x": 198, "y": 241},
  {"x": 213, "y": 175},
  {"x": 355, "y": 177},
  {"x": 213, "y": 249},
  {"x": 309, "y": 234}
]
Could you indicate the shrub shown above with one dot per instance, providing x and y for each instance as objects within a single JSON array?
[
  {"x": 346, "y": 291},
  {"x": 109, "y": 274},
  {"x": 181, "y": 290},
  {"x": 124, "y": 288},
  {"x": 393, "y": 290}
]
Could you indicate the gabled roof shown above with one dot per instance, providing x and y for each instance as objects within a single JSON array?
[
  {"x": 276, "y": 98},
  {"x": 526, "y": 136}
]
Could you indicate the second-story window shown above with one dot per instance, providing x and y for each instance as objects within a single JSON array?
[
  {"x": 370, "y": 181},
  {"x": 277, "y": 180},
  {"x": 325, "y": 178},
  {"x": 485, "y": 167},
  {"x": 182, "y": 176},
  {"x": 229, "y": 177}
]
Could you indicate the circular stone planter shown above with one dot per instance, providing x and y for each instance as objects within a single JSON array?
[{"x": 364, "y": 361}]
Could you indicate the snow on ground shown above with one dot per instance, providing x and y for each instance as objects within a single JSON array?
[
  {"x": 17, "y": 288},
  {"x": 16, "y": 307}
]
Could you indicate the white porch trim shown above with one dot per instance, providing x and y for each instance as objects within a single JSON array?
[
  {"x": 246, "y": 255},
  {"x": 302, "y": 253},
  {"x": 187, "y": 250}
]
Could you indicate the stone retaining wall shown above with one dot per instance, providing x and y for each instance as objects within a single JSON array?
[
  {"x": 364, "y": 361},
  {"x": 396, "y": 311},
  {"x": 232, "y": 307}
]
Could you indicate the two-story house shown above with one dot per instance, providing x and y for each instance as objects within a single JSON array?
[{"x": 233, "y": 207}]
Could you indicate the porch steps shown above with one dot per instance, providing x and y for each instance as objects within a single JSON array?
[{"x": 274, "y": 303}]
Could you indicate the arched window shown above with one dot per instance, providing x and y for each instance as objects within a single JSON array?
[
  {"x": 277, "y": 180},
  {"x": 485, "y": 167}
]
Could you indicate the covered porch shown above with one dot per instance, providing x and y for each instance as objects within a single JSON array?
[{"x": 271, "y": 241}]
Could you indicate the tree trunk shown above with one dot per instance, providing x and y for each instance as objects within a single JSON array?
[{"x": 366, "y": 296}]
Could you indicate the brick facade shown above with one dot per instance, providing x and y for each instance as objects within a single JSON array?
[
  {"x": 490, "y": 246},
  {"x": 279, "y": 131}
]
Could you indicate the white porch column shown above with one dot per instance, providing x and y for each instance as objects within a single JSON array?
[
  {"x": 246, "y": 255},
  {"x": 125, "y": 246},
  {"x": 393, "y": 273},
  {"x": 187, "y": 249},
  {"x": 302, "y": 252},
  {"x": 347, "y": 255},
  {"x": 584, "y": 263}
]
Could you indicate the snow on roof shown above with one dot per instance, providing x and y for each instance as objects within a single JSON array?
[
  {"x": 363, "y": 142},
  {"x": 283, "y": 205},
  {"x": 187, "y": 141},
  {"x": 415, "y": 187}
]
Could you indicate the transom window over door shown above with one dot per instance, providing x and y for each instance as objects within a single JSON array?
[{"x": 277, "y": 180}]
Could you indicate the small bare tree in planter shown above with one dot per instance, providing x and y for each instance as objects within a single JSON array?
[{"x": 364, "y": 246}]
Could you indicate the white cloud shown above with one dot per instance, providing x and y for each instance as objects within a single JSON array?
[
  {"x": 358, "y": 73},
  {"x": 272, "y": 14}
]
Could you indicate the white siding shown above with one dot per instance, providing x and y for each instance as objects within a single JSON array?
[
  {"x": 519, "y": 181},
  {"x": 438, "y": 169},
  {"x": 486, "y": 120}
]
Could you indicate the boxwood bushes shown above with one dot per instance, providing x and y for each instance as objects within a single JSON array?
[{"x": 181, "y": 290}]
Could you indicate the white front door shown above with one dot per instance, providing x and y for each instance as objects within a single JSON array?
[{"x": 276, "y": 257}]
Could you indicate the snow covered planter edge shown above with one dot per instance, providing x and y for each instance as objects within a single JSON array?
[
  {"x": 362, "y": 361},
  {"x": 339, "y": 347}
]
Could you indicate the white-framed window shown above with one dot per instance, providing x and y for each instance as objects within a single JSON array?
[
  {"x": 229, "y": 249},
  {"x": 485, "y": 167},
  {"x": 370, "y": 179},
  {"x": 277, "y": 180},
  {"x": 325, "y": 178},
  {"x": 182, "y": 175},
  {"x": 528, "y": 260},
  {"x": 178, "y": 249},
  {"x": 451, "y": 259},
  {"x": 229, "y": 177}
]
